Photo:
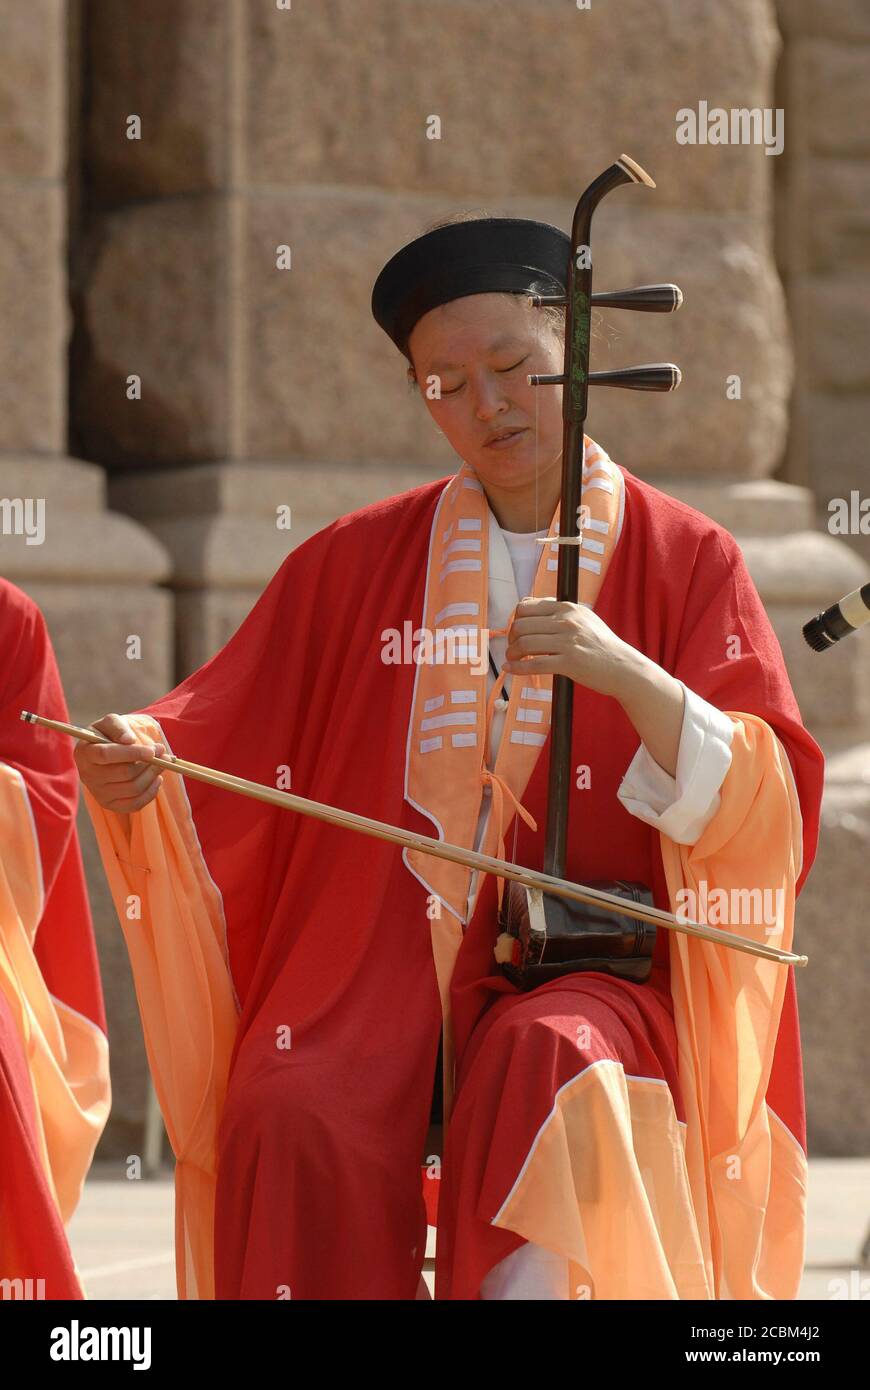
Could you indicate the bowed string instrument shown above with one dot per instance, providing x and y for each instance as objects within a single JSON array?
[{"x": 542, "y": 936}]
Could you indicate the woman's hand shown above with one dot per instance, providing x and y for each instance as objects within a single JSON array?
[
  {"x": 119, "y": 774},
  {"x": 568, "y": 639}
]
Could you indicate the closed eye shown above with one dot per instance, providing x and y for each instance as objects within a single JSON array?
[{"x": 501, "y": 371}]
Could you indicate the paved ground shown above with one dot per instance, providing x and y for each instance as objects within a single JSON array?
[{"x": 122, "y": 1234}]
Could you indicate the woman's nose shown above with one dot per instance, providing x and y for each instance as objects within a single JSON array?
[{"x": 490, "y": 396}]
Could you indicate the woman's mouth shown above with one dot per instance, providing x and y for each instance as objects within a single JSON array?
[{"x": 505, "y": 441}]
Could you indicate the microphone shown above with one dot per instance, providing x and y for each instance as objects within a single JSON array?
[{"x": 836, "y": 622}]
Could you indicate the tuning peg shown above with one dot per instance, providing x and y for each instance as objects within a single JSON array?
[
  {"x": 653, "y": 376},
  {"x": 546, "y": 379},
  {"x": 649, "y": 299}
]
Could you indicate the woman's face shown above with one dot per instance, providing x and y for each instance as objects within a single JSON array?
[{"x": 477, "y": 352}]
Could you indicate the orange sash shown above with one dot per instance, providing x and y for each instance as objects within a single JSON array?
[{"x": 446, "y": 771}]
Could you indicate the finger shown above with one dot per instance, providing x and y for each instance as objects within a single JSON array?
[
  {"x": 106, "y": 754},
  {"x": 534, "y": 645},
  {"x": 115, "y": 727},
  {"x": 541, "y": 665},
  {"x": 119, "y": 730},
  {"x": 129, "y": 781},
  {"x": 127, "y": 804},
  {"x": 529, "y": 606},
  {"x": 539, "y": 623}
]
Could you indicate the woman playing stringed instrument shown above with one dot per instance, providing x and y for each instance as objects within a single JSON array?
[{"x": 606, "y": 1137}]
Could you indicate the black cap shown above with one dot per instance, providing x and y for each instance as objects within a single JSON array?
[{"x": 510, "y": 255}]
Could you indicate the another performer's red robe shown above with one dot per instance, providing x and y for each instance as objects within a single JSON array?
[
  {"x": 54, "y": 1079},
  {"x": 301, "y": 1122}
]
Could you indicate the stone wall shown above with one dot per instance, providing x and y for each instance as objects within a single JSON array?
[
  {"x": 823, "y": 252},
  {"x": 308, "y": 128},
  {"x": 96, "y": 574},
  {"x": 823, "y": 248}
]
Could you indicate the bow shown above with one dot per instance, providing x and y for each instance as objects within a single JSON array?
[{"x": 486, "y": 863}]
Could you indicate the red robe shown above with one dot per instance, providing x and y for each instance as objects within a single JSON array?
[
  {"x": 319, "y": 1143},
  {"x": 35, "y": 1203}
]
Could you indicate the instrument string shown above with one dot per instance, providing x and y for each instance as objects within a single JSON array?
[
  {"x": 537, "y": 441},
  {"x": 513, "y": 861}
]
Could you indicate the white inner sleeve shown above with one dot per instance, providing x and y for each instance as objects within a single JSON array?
[{"x": 682, "y": 807}]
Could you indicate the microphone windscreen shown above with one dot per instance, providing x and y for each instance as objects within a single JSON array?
[{"x": 817, "y": 638}]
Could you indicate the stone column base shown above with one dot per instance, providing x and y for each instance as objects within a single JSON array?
[{"x": 224, "y": 525}]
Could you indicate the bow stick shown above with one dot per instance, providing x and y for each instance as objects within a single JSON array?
[{"x": 440, "y": 848}]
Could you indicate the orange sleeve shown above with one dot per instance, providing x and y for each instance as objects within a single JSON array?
[
  {"x": 746, "y": 1170},
  {"x": 171, "y": 914},
  {"x": 67, "y": 1054}
]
